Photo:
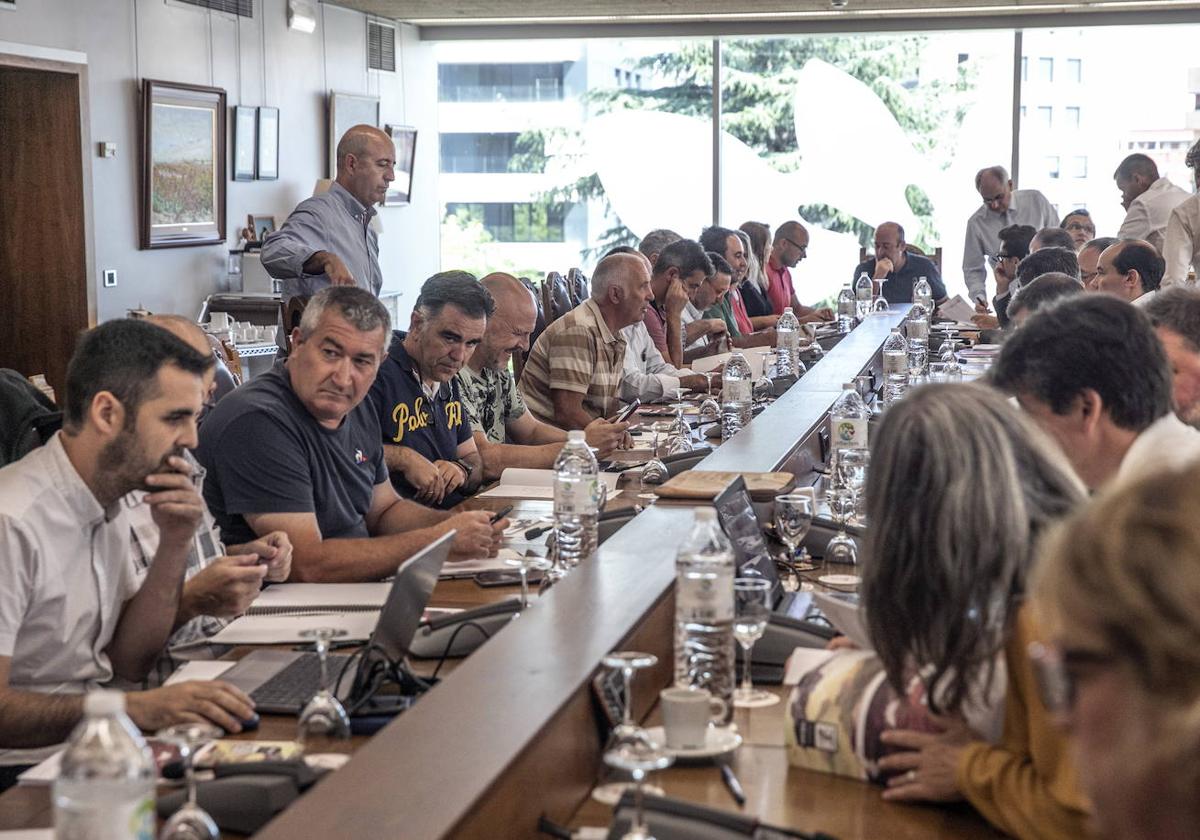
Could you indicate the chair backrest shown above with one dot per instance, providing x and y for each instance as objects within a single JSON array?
[
  {"x": 539, "y": 325},
  {"x": 556, "y": 297},
  {"x": 27, "y": 417},
  {"x": 293, "y": 310},
  {"x": 577, "y": 285}
]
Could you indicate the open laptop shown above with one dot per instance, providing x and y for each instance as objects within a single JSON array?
[{"x": 282, "y": 681}]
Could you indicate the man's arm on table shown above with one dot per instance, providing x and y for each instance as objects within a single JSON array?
[
  {"x": 693, "y": 331},
  {"x": 568, "y": 408},
  {"x": 538, "y": 444},
  {"x": 465, "y": 472},
  {"x": 418, "y": 470}
]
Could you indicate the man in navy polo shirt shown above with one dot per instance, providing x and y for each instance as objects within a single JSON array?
[{"x": 427, "y": 442}]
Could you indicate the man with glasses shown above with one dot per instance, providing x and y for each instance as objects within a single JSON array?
[
  {"x": 1181, "y": 247},
  {"x": 1002, "y": 207},
  {"x": 1079, "y": 224},
  {"x": 899, "y": 269},
  {"x": 788, "y": 249}
]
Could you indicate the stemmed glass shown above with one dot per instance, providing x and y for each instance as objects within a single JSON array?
[
  {"x": 524, "y": 564},
  {"x": 851, "y": 473},
  {"x": 752, "y": 611},
  {"x": 842, "y": 548},
  {"x": 880, "y": 306},
  {"x": 793, "y": 518},
  {"x": 626, "y": 735},
  {"x": 190, "y": 822},
  {"x": 323, "y": 721},
  {"x": 638, "y": 758}
]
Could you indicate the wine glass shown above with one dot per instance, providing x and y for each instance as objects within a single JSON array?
[
  {"x": 880, "y": 306},
  {"x": 627, "y": 733},
  {"x": 851, "y": 472},
  {"x": 524, "y": 563},
  {"x": 190, "y": 822},
  {"x": 793, "y": 518},
  {"x": 842, "y": 548},
  {"x": 638, "y": 757},
  {"x": 710, "y": 411},
  {"x": 679, "y": 405},
  {"x": 324, "y": 724},
  {"x": 752, "y": 611}
]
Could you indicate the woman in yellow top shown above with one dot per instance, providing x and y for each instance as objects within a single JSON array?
[
  {"x": 1119, "y": 594},
  {"x": 961, "y": 486}
]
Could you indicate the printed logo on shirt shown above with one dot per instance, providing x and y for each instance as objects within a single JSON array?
[
  {"x": 453, "y": 414},
  {"x": 409, "y": 419},
  {"x": 359, "y": 457}
]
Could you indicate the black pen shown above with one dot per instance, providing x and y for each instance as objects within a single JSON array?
[
  {"x": 500, "y": 514},
  {"x": 732, "y": 783}
]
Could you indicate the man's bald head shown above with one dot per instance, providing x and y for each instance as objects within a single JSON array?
[
  {"x": 510, "y": 324},
  {"x": 790, "y": 245},
  {"x": 358, "y": 141},
  {"x": 189, "y": 332},
  {"x": 789, "y": 230},
  {"x": 366, "y": 160}
]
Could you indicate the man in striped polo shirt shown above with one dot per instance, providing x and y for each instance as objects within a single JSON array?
[{"x": 573, "y": 373}]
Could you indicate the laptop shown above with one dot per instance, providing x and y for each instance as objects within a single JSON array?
[{"x": 282, "y": 681}]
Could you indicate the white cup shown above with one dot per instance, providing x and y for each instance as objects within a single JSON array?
[
  {"x": 218, "y": 321},
  {"x": 687, "y": 712}
]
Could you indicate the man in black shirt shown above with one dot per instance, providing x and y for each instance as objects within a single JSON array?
[
  {"x": 296, "y": 450},
  {"x": 898, "y": 269}
]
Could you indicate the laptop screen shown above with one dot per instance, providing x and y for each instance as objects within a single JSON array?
[
  {"x": 408, "y": 598},
  {"x": 735, "y": 511}
]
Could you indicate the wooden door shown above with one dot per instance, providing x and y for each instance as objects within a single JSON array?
[{"x": 43, "y": 249}]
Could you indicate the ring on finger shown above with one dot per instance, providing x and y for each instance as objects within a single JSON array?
[{"x": 910, "y": 776}]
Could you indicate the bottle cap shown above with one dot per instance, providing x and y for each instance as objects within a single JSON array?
[
  {"x": 576, "y": 436},
  {"x": 103, "y": 703}
]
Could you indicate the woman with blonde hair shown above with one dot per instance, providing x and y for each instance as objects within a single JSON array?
[
  {"x": 1118, "y": 592},
  {"x": 960, "y": 488},
  {"x": 754, "y": 289}
]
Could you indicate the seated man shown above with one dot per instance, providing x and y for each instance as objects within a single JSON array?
[
  {"x": 731, "y": 246},
  {"x": 1052, "y": 237},
  {"x": 674, "y": 278},
  {"x": 1094, "y": 376},
  {"x": 1148, "y": 199},
  {"x": 1048, "y": 260},
  {"x": 654, "y": 242},
  {"x": 1175, "y": 314},
  {"x": 1079, "y": 224},
  {"x": 573, "y": 373},
  {"x": 72, "y": 613},
  {"x": 1041, "y": 291},
  {"x": 898, "y": 269},
  {"x": 505, "y": 431},
  {"x": 1089, "y": 256},
  {"x": 1130, "y": 269},
  {"x": 789, "y": 248},
  {"x": 427, "y": 443},
  {"x": 699, "y": 339},
  {"x": 298, "y": 450}
]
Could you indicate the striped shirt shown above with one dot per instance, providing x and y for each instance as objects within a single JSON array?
[{"x": 577, "y": 353}]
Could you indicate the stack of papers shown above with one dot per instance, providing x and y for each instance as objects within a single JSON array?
[
  {"x": 517, "y": 483},
  {"x": 957, "y": 309}
]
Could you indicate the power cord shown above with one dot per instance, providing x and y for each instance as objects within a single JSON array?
[{"x": 453, "y": 637}]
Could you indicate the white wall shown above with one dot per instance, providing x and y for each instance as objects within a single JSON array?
[{"x": 258, "y": 62}]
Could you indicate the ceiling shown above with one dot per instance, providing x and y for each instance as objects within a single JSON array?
[{"x": 450, "y": 13}]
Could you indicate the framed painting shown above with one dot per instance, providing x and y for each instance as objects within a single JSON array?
[
  {"x": 404, "y": 138},
  {"x": 244, "y": 143},
  {"x": 183, "y": 165},
  {"x": 347, "y": 110},
  {"x": 267, "y": 161}
]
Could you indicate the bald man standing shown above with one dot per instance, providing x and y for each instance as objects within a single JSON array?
[
  {"x": 327, "y": 240},
  {"x": 506, "y": 432}
]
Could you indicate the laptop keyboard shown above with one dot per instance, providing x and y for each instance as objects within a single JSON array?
[{"x": 294, "y": 685}]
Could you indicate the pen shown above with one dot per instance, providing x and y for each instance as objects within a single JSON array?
[{"x": 732, "y": 783}]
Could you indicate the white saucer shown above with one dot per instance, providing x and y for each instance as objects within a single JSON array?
[
  {"x": 610, "y": 794},
  {"x": 717, "y": 741},
  {"x": 840, "y": 580}
]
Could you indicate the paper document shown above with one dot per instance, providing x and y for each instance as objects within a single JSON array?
[
  {"x": 957, "y": 309},
  {"x": 517, "y": 483},
  {"x": 469, "y": 568},
  {"x": 202, "y": 669},
  {"x": 756, "y": 356},
  {"x": 283, "y": 629},
  {"x": 282, "y": 598},
  {"x": 41, "y": 774},
  {"x": 847, "y": 618}
]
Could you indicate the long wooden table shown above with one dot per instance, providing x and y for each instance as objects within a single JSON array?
[{"x": 510, "y": 733}]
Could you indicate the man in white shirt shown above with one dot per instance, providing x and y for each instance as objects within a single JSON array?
[
  {"x": 72, "y": 612},
  {"x": 1095, "y": 377},
  {"x": 1148, "y": 199},
  {"x": 1181, "y": 246},
  {"x": 1175, "y": 314},
  {"x": 1131, "y": 270},
  {"x": 1002, "y": 206}
]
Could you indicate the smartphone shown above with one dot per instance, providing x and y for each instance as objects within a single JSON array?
[
  {"x": 500, "y": 514},
  {"x": 503, "y": 577},
  {"x": 628, "y": 411}
]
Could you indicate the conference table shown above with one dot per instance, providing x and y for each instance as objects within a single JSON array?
[{"x": 510, "y": 734}]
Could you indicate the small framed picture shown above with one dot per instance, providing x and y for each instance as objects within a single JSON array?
[
  {"x": 404, "y": 138},
  {"x": 260, "y": 226},
  {"x": 268, "y": 144},
  {"x": 243, "y": 143},
  {"x": 347, "y": 110}
]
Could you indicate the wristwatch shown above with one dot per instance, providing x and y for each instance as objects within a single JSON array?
[{"x": 465, "y": 467}]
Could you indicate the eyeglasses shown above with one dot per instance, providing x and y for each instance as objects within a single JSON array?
[
  {"x": 1076, "y": 227},
  {"x": 1057, "y": 673},
  {"x": 802, "y": 248}
]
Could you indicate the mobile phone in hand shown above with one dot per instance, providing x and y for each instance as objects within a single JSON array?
[{"x": 628, "y": 411}]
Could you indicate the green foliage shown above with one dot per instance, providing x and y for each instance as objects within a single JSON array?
[{"x": 182, "y": 193}]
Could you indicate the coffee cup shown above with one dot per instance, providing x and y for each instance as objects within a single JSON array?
[
  {"x": 687, "y": 712},
  {"x": 218, "y": 321}
]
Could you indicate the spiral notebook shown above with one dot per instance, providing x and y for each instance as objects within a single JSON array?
[{"x": 296, "y": 598}]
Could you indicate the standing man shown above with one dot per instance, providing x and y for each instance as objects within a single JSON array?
[
  {"x": 1002, "y": 206},
  {"x": 328, "y": 240},
  {"x": 899, "y": 269},
  {"x": 787, "y": 251},
  {"x": 1181, "y": 246},
  {"x": 1148, "y": 199},
  {"x": 427, "y": 443}
]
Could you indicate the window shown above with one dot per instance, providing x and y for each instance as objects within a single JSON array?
[
  {"x": 501, "y": 82},
  {"x": 1074, "y": 70},
  {"x": 489, "y": 153},
  {"x": 1045, "y": 117},
  {"x": 523, "y": 222},
  {"x": 1052, "y": 166},
  {"x": 1079, "y": 167},
  {"x": 1046, "y": 69},
  {"x": 1072, "y": 113}
]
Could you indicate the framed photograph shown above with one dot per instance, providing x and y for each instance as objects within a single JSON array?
[
  {"x": 404, "y": 137},
  {"x": 260, "y": 226},
  {"x": 347, "y": 110},
  {"x": 243, "y": 143},
  {"x": 267, "y": 160},
  {"x": 183, "y": 165}
]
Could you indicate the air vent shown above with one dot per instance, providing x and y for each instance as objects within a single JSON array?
[
  {"x": 241, "y": 8},
  {"x": 381, "y": 46}
]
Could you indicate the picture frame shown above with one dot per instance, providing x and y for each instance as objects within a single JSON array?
[
  {"x": 404, "y": 138},
  {"x": 266, "y": 160},
  {"x": 182, "y": 165},
  {"x": 260, "y": 226},
  {"x": 347, "y": 110},
  {"x": 245, "y": 143}
]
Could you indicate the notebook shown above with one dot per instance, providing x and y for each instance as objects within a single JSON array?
[{"x": 518, "y": 483}]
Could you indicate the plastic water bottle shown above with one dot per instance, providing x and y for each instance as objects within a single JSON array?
[
  {"x": 105, "y": 790},
  {"x": 704, "y": 571},
  {"x": 895, "y": 367},
  {"x": 845, "y": 309},
  {"x": 849, "y": 420},
  {"x": 787, "y": 342},
  {"x": 864, "y": 293},
  {"x": 923, "y": 294},
  {"x": 917, "y": 331},
  {"x": 576, "y": 502},
  {"x": 737, "y": 384}
]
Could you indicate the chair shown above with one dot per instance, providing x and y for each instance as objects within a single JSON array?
[
  {"x": 27, "y": 417},
  {"x": 292, "y": 311},
  {"x": 556, "y": 297},
  {"x": 577, "y": 285}
]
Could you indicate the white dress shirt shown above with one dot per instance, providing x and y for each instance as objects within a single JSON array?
[
  {"x": 1182, "y": 245},
  {"x": 65, "y": 565},
  {"x": 1147, "y": 215},
  {"x": 1167, "y": 444},
  {"x": 1027, "y": 207},
  {"x": 691, "y": 313},
  {"x": 647, "y": 376},
  {"x": 1144, "y": 298}
]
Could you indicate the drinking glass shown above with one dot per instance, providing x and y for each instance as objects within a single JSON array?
[
  {"x": 679, "y": 405},
  {"x": 851, "y": 472},
  {"x": 793, "y": 518},
  {"x": 638, "y": 758},
  {"x": 710, "y": 411},
  {"x": 324, "y": 724},
  {"x": 190, "y": 822},
  {"x": 880, "y": 305},
  {"x": 524, "y": 563},
  {"x": 842, "y": 548},
  {"x": 626, "y": 736},
  {"x": 752, "y": 611}
]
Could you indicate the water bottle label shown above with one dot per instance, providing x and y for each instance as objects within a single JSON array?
[
  {"x": 581, "y": 497},
  {"x": 849, "y": 433},
  {"x": 918, "y": 329},
  {"x": 110, "y": 820},
  {"x": 704, "y": 600},
  {"x": 738, "y": 390},
  {"x": 895, "y": 363}
]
